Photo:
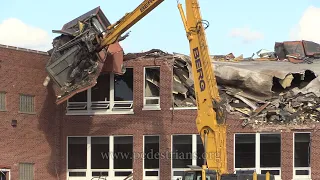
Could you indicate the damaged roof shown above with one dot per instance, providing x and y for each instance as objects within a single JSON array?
[{"x": 261, "y": 91}]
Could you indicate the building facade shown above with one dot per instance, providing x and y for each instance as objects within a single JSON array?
[{"x": 125, "y": 125}]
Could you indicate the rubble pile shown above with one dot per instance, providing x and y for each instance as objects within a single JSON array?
[{"x": 259, "y": 92}]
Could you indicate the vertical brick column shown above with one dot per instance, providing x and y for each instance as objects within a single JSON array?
[
  {"x": 138, "y": 158},
  {"x": 315, "y": 154},
  {"x": 165, "y": 157},
  {"x": 286, "y": 155},
  {"x": 230, "y": 151}
]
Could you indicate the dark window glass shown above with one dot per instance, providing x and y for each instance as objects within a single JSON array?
[
  {"x": 302, "y": 150},
  {"x": 123, "y": 152},
  {"x": 182, "y": 151},
  {"x": 79, "y": 97},
  {"x": 200, "y": 151},
  {"x": 270, "y": 150},
  {"x": 101, "y": 91},
  {"x": 100, "y": 152},
  {"x": 77, "y": 152},
  {"x": 245, "y": 150},
  {"x": 123, "y": 86},
  {"x": 151, "y": 150}
]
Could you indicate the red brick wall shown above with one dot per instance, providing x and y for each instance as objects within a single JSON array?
[
  {"x": 34, "y": 139},
  {"x": 41, "y": 138},
  {"x": 163, "y": 123}
]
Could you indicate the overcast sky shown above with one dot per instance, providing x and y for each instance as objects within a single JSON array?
[{"x": 241, "y": 27}]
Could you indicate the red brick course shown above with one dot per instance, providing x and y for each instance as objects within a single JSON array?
[{"x": 41, "y": 138}]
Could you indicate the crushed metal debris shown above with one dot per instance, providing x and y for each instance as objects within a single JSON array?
[{"x": 267, "y": 90}]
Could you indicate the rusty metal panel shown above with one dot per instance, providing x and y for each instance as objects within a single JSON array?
[
  {"x": 114, "y": 61},
  {"x": 294, "y": 47},
  {"x": 311, "y": 48}
]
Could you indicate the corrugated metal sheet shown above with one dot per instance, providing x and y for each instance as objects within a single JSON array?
[{"x": 96, "y": 11}]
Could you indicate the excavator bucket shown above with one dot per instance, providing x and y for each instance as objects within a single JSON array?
[{"x": 74, "y": 63}]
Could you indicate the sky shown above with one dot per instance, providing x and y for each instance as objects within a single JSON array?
[{"x": 240, "y": 27}]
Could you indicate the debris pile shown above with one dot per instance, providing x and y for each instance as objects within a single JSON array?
[
  {"x": 291, "y": 51},
  {"x": 269, "y": 92}
]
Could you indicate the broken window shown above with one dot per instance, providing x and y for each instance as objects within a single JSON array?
[
  {"x": 152, "y": 86},
  {"x": 181, "y": 151},
  {"x": 270, "y": 150},
  {"x": 26, "y": 103},
  {"x": 302, "y": 147},
  {"x": 123, "y": 86},
  {"x": 26, "y": 171},
  {"x": 200, "y": 151},
  {"x": 123, "y": 90},
  {"x": 101, "y": 91},
  {"x": 77, "y": 152},
  {"x": 245, "y": 150},
  {"x": 2, "y": 101},
  {"x": 100, "y": 153},
  {"x": 123, "y": 152}
]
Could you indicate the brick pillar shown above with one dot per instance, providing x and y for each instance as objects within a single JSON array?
[
  {"x": 315, "y": 153},
  {"x": 230, "y": 151},
  {"x": 165, "y": 157},
  {"x": 138, "y": 158},
  {"x": 286, "y": 155}
]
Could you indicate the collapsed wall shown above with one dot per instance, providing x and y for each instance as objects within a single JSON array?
[{"x": 260, "y": 93}]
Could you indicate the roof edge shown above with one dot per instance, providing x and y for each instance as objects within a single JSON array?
[{"x": 23, "y": 49}]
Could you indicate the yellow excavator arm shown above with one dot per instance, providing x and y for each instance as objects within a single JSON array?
[{"x": 210, "y": 120}]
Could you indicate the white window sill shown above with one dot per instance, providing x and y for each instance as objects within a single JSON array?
[
  {"x": 146, "y": 108},
  {"x": 184, "y": 108},
  {"x": 91, "y": 113}
]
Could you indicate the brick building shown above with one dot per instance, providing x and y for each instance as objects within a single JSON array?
[{"x": 41, "y": 140}]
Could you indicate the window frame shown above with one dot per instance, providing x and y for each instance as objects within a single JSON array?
[
  {"x": 4, "y": 101},
  {"x": 151, "y": 106},
  {"x": 194, "y": 155},
  {"x": 304, "y": 177},
  {"x": 33, "y": 98},
  {"x": 109, "y": 104},
  {"x": 143, "y": 163},
  {"x": 6, "y": 170},
  {"x": 19, "y": 171},
  {"x": 257, "y": 167},
  {"x": 88, "y": 171}
]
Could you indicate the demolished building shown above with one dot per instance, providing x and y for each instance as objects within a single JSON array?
[
  {"x": 273, "y": 89},
  {"x": 277, "y": 87}
]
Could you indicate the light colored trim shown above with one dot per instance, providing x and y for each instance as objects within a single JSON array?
[
  {"x": 23, "y": 49},
  {"x": 184, "y": 108},
  {"x": 98, "y": 113},
  {"x": 147, "y": 108}
]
